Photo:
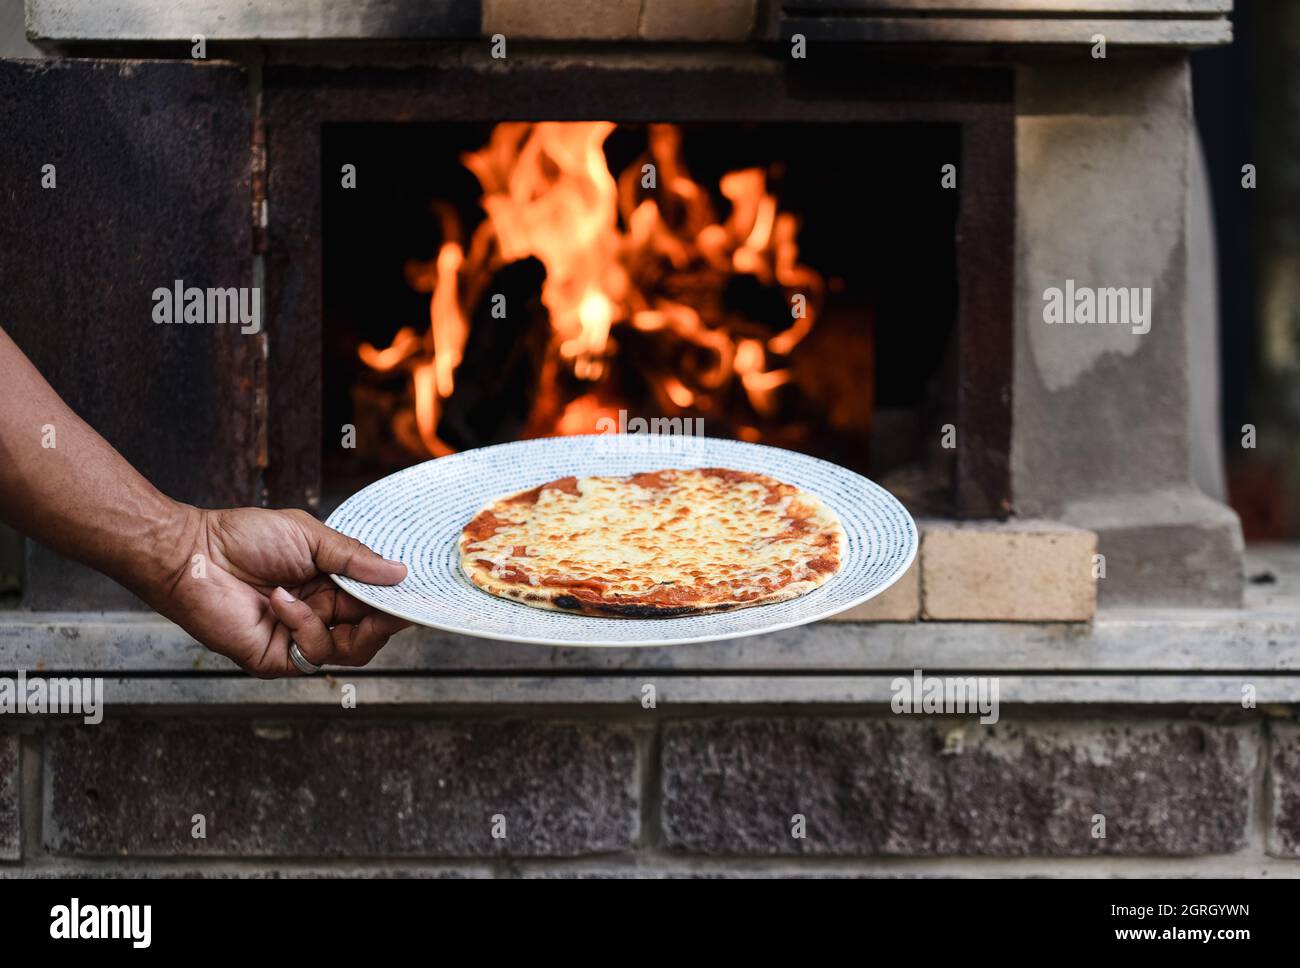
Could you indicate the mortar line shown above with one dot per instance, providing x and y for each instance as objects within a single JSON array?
[
  {"x": 1263, "y": 802},
  {"x": 31, "y": 796},
  {"x": 647, "y": 741}
]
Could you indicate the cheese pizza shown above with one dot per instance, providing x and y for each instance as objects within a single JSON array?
[{"x": 654, "y": 545}]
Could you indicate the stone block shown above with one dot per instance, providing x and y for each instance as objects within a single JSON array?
[
  {"x": 1012, "y": 571},
  {"x": 1284, "y": 800},
  {"x": 900, "y": 602},
  {"x": 691, "y": 20},
  {"x": 562, "y": 19},
  {"x": 335, "y": 789},
  {"x": 1170, "y": 548},
  {"x": 905, "y": 787}
]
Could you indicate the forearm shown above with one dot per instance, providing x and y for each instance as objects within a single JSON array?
[{"x": 62, "y": 484}]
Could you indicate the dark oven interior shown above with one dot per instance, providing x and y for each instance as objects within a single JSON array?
[
  {"x": 785, "y": 283},
  {"x": 818, "y": 261}
]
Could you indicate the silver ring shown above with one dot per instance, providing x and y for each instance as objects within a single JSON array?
[{"x": 305, "y": 665}]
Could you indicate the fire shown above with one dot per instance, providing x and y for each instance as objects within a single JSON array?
[
  {"x": 580, "y": 416},
  {"x": 645, "y": 250}
]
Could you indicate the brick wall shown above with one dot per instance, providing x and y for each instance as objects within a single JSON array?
[{"x": 648, "y": 793}]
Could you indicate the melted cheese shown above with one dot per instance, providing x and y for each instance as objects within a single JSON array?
[{"x": 668, "y": 541}]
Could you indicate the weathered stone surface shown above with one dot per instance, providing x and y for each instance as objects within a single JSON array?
[
  {"x": 1174, "y": 547},
  {"x": 333, "y": 789},
  {"x": 1284, "y": 775},
  {"x": 885, "y": 787},
  {"x": 1012, "y": 571},
  {"x": 217, "y": 870},
  {"x": 1006, "y": 23},
  {"x": 901, "y": 602},
  {"x": 305, "y": 20},
  {"x": 151, "y": 185},
  {"x": 1101, "y": 433},
  {"x": 13, "y": 36},
  {"x": 10, "y": 831},
  {"x": 562, "y": 19},
  {"x": 694, "y": 21}
]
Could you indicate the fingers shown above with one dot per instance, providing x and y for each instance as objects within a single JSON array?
[
  {"x": 346, "y": 644},
  {"x": 305, "y": 627},
  {"x": 357, "y": 644},
  {"x": 348, "y": 609},
  {"x": 332, "y": 604},
  {"x": 338, "y": 554}
]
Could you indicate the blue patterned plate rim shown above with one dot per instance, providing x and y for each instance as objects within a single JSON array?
[{"x": 415, "y": 515}]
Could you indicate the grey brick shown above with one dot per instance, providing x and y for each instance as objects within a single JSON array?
[
  {"x": 334, "y": 789},
  {"x": 10, "y": 831},
  {"x": 221, "y": 870},
  {"x": 1284, "y": 803},
  {"x": 884, "y": 787}
]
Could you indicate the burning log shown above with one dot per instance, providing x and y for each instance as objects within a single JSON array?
[
  {"x": 500, "y": 370},
  {"x": 708, "y": 307}
]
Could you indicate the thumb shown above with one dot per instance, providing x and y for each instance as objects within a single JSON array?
[{"x": 340, "y": 555}]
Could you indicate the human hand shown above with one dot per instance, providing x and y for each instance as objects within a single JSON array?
[
  {"x": 264, "y": 581},
  {"x": 82, "y": 499}
]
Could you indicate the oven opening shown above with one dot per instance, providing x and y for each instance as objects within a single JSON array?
[{"x": 793, "y": 284}]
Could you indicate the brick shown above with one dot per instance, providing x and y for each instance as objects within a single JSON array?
[
  {"x": 1284, "y": 799},
  {"x": 1017, "y": 571},
  {"x": 562, "y": 19},
  {"x": 900, "y": 602},
  {"x": 333, "y": 789},
  {"x": 883, "y": 787},
  {"x": 692, "y": 20},
  {"x": 10, "y": 831},
  {"x": 131, "y": 869}
]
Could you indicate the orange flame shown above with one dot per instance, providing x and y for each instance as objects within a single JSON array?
[{"x": 623, "y": 250}]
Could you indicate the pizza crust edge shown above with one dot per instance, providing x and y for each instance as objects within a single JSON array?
[{"x": 560, "y": 601}]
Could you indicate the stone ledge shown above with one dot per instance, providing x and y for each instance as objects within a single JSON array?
[
  {"x": 673, "y": 691},
  {"x": 1260, "y": 640},
  {"x": 1016, "y": 30},
  {"x": 1184, "y": 23}
]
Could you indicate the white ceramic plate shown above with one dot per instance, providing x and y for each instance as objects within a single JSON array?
[{"x": 415, "y": 516}]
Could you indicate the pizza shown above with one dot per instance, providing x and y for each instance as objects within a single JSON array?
[{"x": 654, "y": 545}]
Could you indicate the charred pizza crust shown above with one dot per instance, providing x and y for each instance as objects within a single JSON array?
[{"x": 654, "y": 545}]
